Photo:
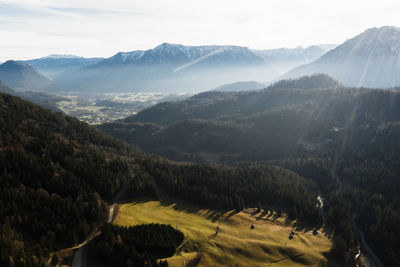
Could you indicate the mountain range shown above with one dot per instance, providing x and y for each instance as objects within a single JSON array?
[
  {"x": 182, "y": 56},
  {"x": 170, "y": 68},
  {"x": 371, "y": 59},
  {"x": 167, "y": 67}
]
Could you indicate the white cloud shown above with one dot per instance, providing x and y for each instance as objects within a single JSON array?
[{"x": 33, "y": 28}]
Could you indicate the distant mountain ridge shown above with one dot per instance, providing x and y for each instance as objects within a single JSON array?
[
  {"x": 21, "y": 76},
  {"x": 284, "y": 59},
  {"x": 175, "y": 53},
  {"x": 314, "y": 81},
  {"x": 371, "y": 59},
  {"x": 61, "y": 56},
  {"x": 54, "y": 64},
  {"x": 170, "y": 68}
]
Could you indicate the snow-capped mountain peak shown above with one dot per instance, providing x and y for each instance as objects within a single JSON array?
[
  {"x": 370, "y": 59},
  {"x": 167, "y": 53}
]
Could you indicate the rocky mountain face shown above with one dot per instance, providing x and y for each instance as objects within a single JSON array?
[
  {"x": 180, "y": 54},
  {"x": 371, "y": 59}
]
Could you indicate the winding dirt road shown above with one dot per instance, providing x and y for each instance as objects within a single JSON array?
[{"x": 80, "y": 254}]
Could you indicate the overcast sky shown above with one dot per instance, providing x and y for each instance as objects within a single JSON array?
[{"x": 36, "y": 28}]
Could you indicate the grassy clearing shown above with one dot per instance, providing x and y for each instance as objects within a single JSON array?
[{"x": 235, "y": 244}]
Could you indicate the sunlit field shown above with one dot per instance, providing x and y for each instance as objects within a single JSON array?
[{"x": 235, "y": 244}]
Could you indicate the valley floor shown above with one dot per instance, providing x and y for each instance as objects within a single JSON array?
[{"x": 235, "y": 244}]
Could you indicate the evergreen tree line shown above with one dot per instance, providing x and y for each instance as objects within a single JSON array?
[
  {"x": 236, "y": 188},
  {"x": 139, "y": 245}
]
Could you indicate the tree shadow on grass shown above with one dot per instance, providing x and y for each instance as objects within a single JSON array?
[
  {"x": 214, "y": 215},
  {"x": 303, "y": 227},
  {"x": 231, "y": 213},
  {"x": 290, "y": 257},
  {"x": 306, "y": 227},
  {"x": 288, "y": 221},
  {"x": 180, "y": 206}
]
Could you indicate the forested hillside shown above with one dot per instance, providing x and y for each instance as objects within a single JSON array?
[
  {"x": 55, "y": 174},
  {"x": 345, "y": 139},
  {"x": 237, "y": 188},
  {"x": 280, "y": 121}
]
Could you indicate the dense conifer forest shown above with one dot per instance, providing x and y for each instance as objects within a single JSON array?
[
  {"x": 56, "y": 174},
  {"x": 237, "y": 188},
  {"x": 134, "y": 246}
]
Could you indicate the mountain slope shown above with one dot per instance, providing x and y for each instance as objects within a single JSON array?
[
  {"x": 169, "y": 68},
  {"x": 240, "y": 86},
  {"x": 371, "y": 59},
  {"x": 5, "y": 89},
  {"x": 55, "y": 64},
  {"x": 284, "y": 59},
  {"x": 42, "y": 99},
  {"x": 314, "y": 81},
  {"x": 56, "y": 173},
  {"x": 214, "y": 104},
  {"x": 21, "y": 76}
]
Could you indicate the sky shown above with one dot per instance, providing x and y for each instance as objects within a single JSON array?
[{"x": 101, "y": 28}]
